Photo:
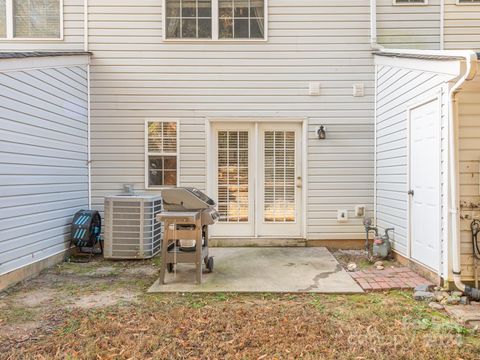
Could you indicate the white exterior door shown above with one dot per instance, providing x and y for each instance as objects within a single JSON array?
[
  {"x": 279, "y": 180},
  {"x": 257, "y": 179},
  {"x": 424, "y": 194}
]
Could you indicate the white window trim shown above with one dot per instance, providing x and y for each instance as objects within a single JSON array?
[
  {"x": 467, "y": 4},
  {"x": 215, "y": 37},
  {"x": 9, "y": 25},
  {"x": 425, "y": 2},
  {"x": 148, "y": 154}
]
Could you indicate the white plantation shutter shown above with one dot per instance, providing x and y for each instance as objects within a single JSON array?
[
  {"x": 233, "y": 176},
  {"x": 3, "y": 19},
  {"x": 36, "y": 18},
  {"x": 279, "y": 180}
]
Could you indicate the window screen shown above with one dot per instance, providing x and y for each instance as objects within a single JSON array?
[
  {"x": 469, "y": 1},
  {"x": 36, "y": 18},
  {"x": 162, "y": 153}
]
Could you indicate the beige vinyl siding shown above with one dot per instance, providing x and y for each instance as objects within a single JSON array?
[
  {"x": 73, "y": 39},
  {"x": 462, "y": 26},
  {"x": 469, "y": 145},
  {"x": 136, "y": 76},
  {"x": 43, "y": 161},
  {"x": 408, "y": 26},
  {"x": 398, "y": 88}
]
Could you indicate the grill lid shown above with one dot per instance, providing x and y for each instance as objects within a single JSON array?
[{"x": 185, "y": 198}]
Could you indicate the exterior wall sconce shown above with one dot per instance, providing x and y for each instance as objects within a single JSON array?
[{"x": 321, "y": 132}]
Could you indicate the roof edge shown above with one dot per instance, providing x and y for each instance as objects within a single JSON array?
[
  {"x": 31, "y": 54},
  {"x": 446, "y": 55}
]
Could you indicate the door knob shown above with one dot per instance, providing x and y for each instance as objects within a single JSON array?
[{"x": 411, "y": 192}]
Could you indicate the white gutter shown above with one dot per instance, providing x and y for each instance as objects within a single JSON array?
[{"x": 470, "y": 72}]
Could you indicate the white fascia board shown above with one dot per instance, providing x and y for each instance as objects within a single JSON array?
[
  {"x": 447, "y": 67},
  {"x": 30, "y": 63}
]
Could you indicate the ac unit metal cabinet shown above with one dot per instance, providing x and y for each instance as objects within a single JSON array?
[{"x": 131, "y": 231}]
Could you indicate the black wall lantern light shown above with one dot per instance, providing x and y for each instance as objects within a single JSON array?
[{"x": 321, "y": 132}]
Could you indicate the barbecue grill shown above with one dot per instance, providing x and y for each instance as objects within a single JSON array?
[{"x": 187, "y": 213}]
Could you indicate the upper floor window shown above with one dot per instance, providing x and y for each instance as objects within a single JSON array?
[
  {"x": 410, "y": 2},
  {"x": 215, "y": 19},
  {"x": 30, "y": 19},
  {"x": 468, "y": 2}
]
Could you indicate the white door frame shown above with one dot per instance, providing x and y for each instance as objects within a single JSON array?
[
  {"x": 425, "y": 100},
  {"x": 210, "y": 153}
]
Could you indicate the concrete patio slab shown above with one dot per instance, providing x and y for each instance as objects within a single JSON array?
[{"x": 282, "y": 270}]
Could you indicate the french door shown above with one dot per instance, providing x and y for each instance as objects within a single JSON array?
[{"x": 257, "y": 180}]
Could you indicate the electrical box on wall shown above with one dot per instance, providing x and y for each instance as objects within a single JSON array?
[
  {"x": 360, "y": 210},
  {"x": 358, "y": 90},
  {"x": 342, "y": 215}
]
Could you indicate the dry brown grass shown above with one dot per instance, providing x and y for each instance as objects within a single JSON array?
[{"x": 262, "y": 326}]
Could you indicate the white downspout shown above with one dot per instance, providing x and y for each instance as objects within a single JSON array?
[
  {"x": 89, "y": 152},
  {"x": 375, "y": 185},
  {"x": 470, "y": 72},
  {"x": 373, "y": 25}
]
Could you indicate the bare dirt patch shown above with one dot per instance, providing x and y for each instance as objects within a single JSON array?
[
  {"x": 104, "y": 299},
  {"x": 35, "y": 297}
]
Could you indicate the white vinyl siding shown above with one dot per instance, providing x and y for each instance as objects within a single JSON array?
[
  {"x": 398, "y": 88},
  {"x": 43, "y": 156},
  {"x": 469, "y": 145},
  {"x": 137, "y": 76},
  {"x": 409, "y": 26},
  {"x": 72, "y": 29},
  {"x": 462, "y": 26}
]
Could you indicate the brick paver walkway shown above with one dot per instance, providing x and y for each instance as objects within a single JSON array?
[{"x": 389, "y": 278}]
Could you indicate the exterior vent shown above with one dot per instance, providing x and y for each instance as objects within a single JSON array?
[
  {"x": 358, "y": 90},
  {"x": 131, "y": 231}
]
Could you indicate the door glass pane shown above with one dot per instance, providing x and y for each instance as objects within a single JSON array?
[
  {"x": 232, "y": 155},
  {"x": 279, "y": 177}
]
